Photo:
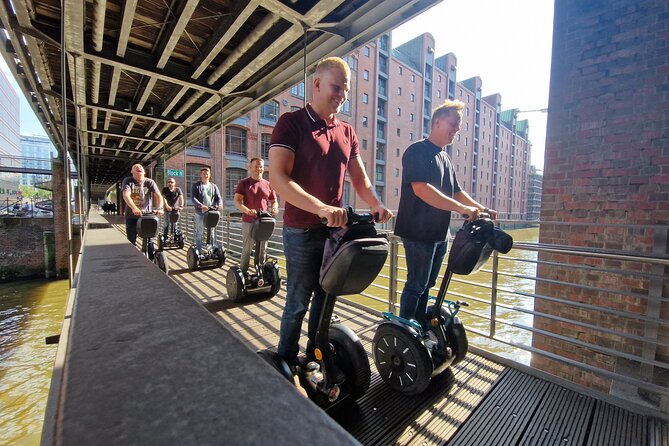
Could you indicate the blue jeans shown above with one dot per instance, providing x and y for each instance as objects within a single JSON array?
[
  {"x": 304, "y": 254},
  {"x": 199, "y": 227},
  {"x": 424, "y": 261}
]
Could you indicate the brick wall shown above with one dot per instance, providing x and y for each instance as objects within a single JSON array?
[
  {"x": 22, "y": 246},
  {"x": 607, "y": 161}
]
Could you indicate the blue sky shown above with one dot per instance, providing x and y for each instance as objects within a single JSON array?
[{"x": 506, "y": 43}]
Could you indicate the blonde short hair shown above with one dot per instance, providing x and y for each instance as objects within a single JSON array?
[
  {"x": 332, "y": 63},
  {"x": 447, "y": 107}
]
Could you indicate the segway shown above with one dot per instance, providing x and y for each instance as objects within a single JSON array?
[
  {"x": 339, "y": 368},
  {"x": 175, "y": 238},
  {"x": 147, "y": 228},
  {"x": 211, "y": 256},
  {"x": 264, "y": 279},
  {"x": 406, "y": 356}
]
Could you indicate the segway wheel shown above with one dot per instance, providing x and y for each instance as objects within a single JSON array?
[
  {"x": 151, "y": 251},
  {"x": 234, "y": 282},
  {"x": 161, "y": 242},
  {"x": 401, "y": 359},
  {"x": 180, "y": 240},
  {"x": 350, "y": 357},
  {"x": 219, "y": 253},
  {"x": 193, "y": 258},
  {"x": 270, "y": 272},
  {"x": 162, "y": 262},
  {"x": 455, "y": 331}
]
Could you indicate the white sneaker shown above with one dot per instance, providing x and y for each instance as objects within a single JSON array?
[{"x": 431, "y": 339}]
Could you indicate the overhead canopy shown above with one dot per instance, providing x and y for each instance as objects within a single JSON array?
[{"x": 141, "y": 74}]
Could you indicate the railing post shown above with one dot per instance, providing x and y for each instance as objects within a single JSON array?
[
  {"x": 493, "y": 295},
  {"x": 227, "y": 228},
  {"x": 392, "y": 277}
]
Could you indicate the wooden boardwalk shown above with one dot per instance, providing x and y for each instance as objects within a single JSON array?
[{"x": 477, "y": 402}]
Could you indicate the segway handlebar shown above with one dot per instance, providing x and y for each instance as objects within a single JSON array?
[{"x": 354, "y": 217}]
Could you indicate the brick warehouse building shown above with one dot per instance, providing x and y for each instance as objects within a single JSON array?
[
  {"x": 607, "y": 163},
  {"x": 392, "y": 96}
]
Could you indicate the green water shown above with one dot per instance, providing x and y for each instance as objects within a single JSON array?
[{"x": 29, "y": 312}]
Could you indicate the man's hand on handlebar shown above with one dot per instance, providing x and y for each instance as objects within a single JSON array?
[
  {"x": 336, "y": 217},
  {"x": 470, "y": 213},
  {"x": 137, "y": 212},
  {"x": 381, "y": 213},
  {"x": 251, "y": 212}
]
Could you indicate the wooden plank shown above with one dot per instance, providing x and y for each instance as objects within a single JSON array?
[
  {"x": 505, "y": 413},
  {"x": 559, "y": 418}
]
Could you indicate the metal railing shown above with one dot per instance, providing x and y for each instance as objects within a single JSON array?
[
  {"x": 593, "y": 315},
  {"x": 30, "y": 208}
]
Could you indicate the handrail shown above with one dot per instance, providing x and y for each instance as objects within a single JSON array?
[{"x": 492, "y": 306}]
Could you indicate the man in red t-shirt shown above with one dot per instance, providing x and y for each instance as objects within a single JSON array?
[
  {"x": 253, "y": 193},
  {"x": 310, "y": 153}
]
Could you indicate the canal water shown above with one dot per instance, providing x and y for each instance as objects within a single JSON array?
[{"x": 29, "y": 311}]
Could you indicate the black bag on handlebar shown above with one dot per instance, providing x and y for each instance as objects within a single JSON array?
[
  {"x": 352, "y": 259},
  {"x": 474, "y": 243}
]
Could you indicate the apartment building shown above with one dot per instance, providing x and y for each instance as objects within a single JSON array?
[{"x": 393, "y": 93}]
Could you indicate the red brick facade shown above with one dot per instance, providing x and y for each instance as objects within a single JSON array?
[{"x": 607, "y": 162}]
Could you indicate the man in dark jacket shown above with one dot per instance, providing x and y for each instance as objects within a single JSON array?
[{"x": 205, "y": 196}]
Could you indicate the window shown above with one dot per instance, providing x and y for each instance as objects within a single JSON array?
[
  {"x": 364, "y": 144},
  {"x": 382, "y": 87},
  {"x": 365, "y": 98},
  {"x": 233, "y": 176},
  {"x": 413, "y": 78},
  {"x": 397, "y": 152},
  {"x": 411, "y": 136},
  {"x": 380, "y": 151},
  {"x": 364, "y": 121},
  {"x": 294, "y": 108},
  {"x": 366, "y": 51},
  {"x": 399, "y": 91},
  {"x": 365, "y": 75},
  {"x": 346, "y": 107},
  {"x": 379, "y": 173},
  {"x": 400, "y": 70},
  {"x": 346, "y": 193},
  {"x": 397, "y": 172},
  {"x": 381, "y": 130},
  {"x": 398, "y": 131},
  {"x": 298, "y": 90},
  {"x": 397, "y": 192},
  {"x": 399, "y": 111},
  {"x": 235, "y": 139},
  {"x": 270, "y": 111},
  {"x": 438, "y": 93},
  {"x": 413, "y": 97},
  {"x": 383, "y": 42},
  {"x": 411, "y": 117},
  {"x": 352, "y": 62},
  {"x": 264, "y": 145},
  {"x": 201, "y": 148}
]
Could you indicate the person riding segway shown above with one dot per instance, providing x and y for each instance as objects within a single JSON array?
[
  {"x": 172, "y": 237},
  {"x": 256, "y": 199},
  {"x": 147, "y": 229},
  {"x": 206, "y": 199}
]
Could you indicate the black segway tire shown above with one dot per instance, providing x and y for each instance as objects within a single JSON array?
[
  {"x": 180, "y": 240},
  {"x": 350, "y": 357},
  {"x": 457, "y": 336},
  {"x": 162, "y": 262},
  {"x": 270, "y": 272},
  {"x": 401, "y": 358},
  {"x": 193, "y": 258},
  {"x": 161, "y": 242},
  {"x": 234, "y": 283},
  {"x": 219, "y": 254}
]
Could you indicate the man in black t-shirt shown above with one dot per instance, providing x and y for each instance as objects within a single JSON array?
[
  {"x": 430, "y": 191},
  {"x": 174, "y": 200}
]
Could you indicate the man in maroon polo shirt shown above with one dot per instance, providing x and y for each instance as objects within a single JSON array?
[
  {"x": 310, "y": 153},
  {"x": 253, "y": 193}
]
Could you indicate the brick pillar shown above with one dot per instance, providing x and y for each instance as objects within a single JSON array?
[
  {"x": 607, "y": 161},
  {"x": 60, "y": 203}
]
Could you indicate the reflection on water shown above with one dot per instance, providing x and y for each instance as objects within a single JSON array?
[{"x": 29, "y": 312}]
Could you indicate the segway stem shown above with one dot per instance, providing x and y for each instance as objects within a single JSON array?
[{"x": 323, "y": 341}]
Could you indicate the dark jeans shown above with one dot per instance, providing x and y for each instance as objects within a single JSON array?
[
  {"x": 424, "y": 261},
  {"x": 304, "y": 254}
]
